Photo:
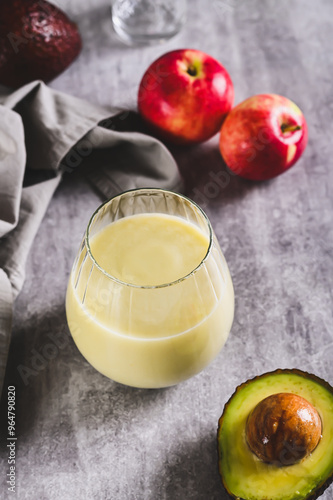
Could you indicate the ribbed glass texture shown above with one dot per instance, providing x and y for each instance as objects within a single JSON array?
[{"x": 150, "y": 336}]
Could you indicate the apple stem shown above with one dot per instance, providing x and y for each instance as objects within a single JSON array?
[
  {"x": 192, "y": 70},
  {"x": 285, "y": 127}
]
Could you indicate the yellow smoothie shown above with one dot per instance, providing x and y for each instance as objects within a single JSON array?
[{"x": 157, "y": 307}]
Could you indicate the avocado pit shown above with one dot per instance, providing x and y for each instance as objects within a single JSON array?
[{"x": 283, "y": 429}]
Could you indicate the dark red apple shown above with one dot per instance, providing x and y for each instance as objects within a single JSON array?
[
  {"x": 185, "y": 95},
  {"x": 263, "y": 136},
  {"x": 37, "y": 41}
]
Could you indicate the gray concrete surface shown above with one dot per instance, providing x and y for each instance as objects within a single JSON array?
[{"x": 82, "y": 436}]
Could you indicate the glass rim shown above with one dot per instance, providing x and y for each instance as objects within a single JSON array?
[{"x": 145, "y": 190}]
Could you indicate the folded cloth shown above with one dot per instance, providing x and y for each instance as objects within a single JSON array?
[{"x": 44, "y": 133}]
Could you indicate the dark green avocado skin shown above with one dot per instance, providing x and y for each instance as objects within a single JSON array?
[{"x": 319, "y": 490}]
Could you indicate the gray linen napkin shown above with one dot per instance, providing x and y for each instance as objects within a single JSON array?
[{"x": 44, "y": 133}]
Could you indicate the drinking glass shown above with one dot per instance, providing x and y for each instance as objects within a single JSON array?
[
  {"x": 150, "y": 336},
  {"x": 139, "y": 22}
]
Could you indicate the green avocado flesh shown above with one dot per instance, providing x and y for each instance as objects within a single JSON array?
[{"x": 246, "y": 477}]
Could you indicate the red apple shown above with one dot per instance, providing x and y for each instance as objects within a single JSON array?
[
  {"x": 185, "y": 95},
  {"x": 263, "y": 136}
]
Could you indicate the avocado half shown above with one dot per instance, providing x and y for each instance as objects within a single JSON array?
[{"x": 246, "y": 477}]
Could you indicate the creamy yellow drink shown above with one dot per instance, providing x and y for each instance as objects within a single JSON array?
[{"x": 152, "y": 303}]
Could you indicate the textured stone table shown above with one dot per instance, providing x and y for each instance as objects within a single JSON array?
[{"x": 82, "y": 436}]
